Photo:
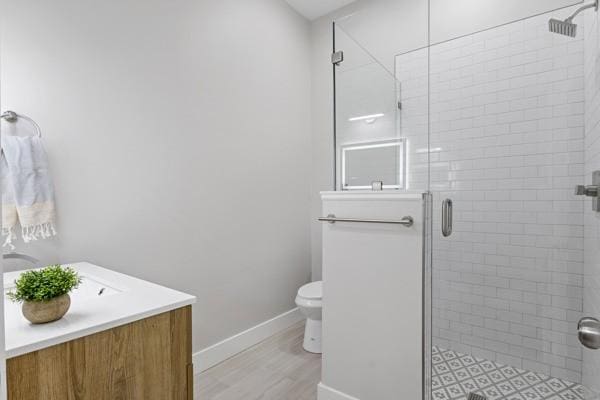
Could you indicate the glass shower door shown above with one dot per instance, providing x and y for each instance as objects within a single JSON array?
[
  {"x": 369, "y": 148},
  {"x": 507, "y": 147}
]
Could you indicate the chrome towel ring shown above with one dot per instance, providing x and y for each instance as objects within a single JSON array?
[{"x": 11, "y": 116}]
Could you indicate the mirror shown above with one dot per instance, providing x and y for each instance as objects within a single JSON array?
[{"x": 368, "y": 162}]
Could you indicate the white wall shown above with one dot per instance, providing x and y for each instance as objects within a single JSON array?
[
  {"x": 178, "y": 137},
  {"x": 3, "y": 388},
  {"x": 591, "y": 291}
]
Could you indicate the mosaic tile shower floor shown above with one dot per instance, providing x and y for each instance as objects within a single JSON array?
[{"x": 455, "y": 375}]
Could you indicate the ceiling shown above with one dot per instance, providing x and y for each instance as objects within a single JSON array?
[{"x": 313, "y": 9}]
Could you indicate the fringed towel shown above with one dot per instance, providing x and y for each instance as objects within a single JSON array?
[{"x": 27, "y": 191}]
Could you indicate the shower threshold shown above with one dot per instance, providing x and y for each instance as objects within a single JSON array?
[{"x": 457, "y": 376}]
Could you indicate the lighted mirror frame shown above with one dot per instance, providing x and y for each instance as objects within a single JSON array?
[{"x": 401, "y": 173}]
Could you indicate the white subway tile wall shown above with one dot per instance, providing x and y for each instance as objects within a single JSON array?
[
  {"x": 591, "y": 359},
  {"x": 507, "y": 146}
]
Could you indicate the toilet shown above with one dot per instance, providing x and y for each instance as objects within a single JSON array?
[{"x": 309, "y": 301}]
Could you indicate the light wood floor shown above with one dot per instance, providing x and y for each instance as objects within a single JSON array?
[{"x": 277, "y": 369}]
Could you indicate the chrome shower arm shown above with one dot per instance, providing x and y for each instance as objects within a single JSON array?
[{"x": 583, "y": 8}]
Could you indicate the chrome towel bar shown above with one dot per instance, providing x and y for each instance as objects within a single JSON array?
[{"x": 406, "y": 221}]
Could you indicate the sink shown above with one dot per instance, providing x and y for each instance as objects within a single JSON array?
[{"x": 90, "y": 288}]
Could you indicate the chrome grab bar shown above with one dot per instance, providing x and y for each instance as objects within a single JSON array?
[{"x": 406, "y": 221}]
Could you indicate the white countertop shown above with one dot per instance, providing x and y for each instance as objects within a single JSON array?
[{"x": 124, "y": 299}]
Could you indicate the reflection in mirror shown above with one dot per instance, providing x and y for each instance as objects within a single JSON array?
[{"x": 368, "y": 162}]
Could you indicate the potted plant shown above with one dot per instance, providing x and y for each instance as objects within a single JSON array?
[{"x": 45, "y": 293}]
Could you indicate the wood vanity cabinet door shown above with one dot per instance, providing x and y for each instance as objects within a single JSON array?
[{"x": 149, "y": 359}]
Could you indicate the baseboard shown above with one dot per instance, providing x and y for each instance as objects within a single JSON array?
[
  {"x": 217, "y": 353},
  {"x": 324, "y": 392}
]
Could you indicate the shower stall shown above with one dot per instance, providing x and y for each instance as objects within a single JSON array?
[{"x": 495, "y": 113}]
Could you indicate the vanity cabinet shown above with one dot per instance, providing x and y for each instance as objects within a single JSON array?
[{"x": 149, "y": 359}]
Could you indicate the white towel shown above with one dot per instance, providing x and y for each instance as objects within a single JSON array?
[{"x": 27, "y": 191}]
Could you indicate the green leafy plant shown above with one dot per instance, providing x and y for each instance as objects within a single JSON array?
[{"x": 44, "y": 284}]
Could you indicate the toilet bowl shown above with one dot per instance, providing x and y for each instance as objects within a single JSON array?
[{"x": 309, "y": 301}]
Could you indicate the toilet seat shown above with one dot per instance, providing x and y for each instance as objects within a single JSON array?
[{"x": 311, "y": 291}]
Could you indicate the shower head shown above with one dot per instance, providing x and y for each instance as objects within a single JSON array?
[{"x": 567, "y": 27}]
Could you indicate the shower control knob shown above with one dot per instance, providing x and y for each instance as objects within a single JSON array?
[
  {"x": 590, "y": 190},
  {"x": 589, "y": 333}
]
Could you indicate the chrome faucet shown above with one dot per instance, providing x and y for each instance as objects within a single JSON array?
[
  {"x": 589, "y": 190},
  {"x": 592, "y": 190}
]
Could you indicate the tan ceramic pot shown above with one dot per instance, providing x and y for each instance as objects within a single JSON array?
[{"x": 40, "y": 312}]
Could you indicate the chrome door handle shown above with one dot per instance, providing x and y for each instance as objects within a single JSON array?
[
  {"x": 589, "y": 333},
  {"x": 447, "y": 217}
]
